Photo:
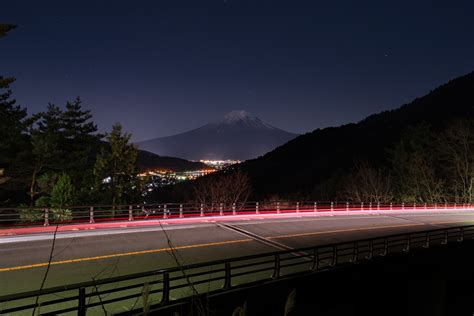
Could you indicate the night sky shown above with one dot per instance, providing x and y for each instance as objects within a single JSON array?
[{"x": 162, "y": 67}]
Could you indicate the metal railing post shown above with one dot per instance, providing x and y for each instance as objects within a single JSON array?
[
  {"x": 370, "y": 206},
  {"x": 130, "y": 213},
  {"x": 347, "y": 206},
  {"x": 221, "y": 209},
  {"x": 166, "y": 288},
  {"x": 355, "y": 252},
  {"x": 297, "y": 207},
  {"x": 334, "y": 256},
  {"x": 378, "y": 206},
  {"x": 414, "y": 206},
  {"x": 403, "y": 205},
  {"x": 181, "y": 215},
  {"x": 407, "y": 247},
  {"x": 461, "y": 238},
  {"x": 371, "y": 250},
  {"x": 332, "y": 206},
  {"x": 361, "y": 206},
  {"x": 276, "y": 271},
  {"x": 228, "y": 276},
  {"x": 46, "y": 217},
  {"x": 391, "y": 206},
  {"x": 315, "y": 265},
  {"x": 315, "y": 207},
  {"x": 91, "y": 215},
  {"x": 385, "y": 247},
  {"x": 233, "y": 209},
  {"x": 81, "y": 307},
  {"x": 427, "y": 240},
  {"x": 445, "y": 241},
  {"x": 256, "y": 208},
  {"x": 278, "y": 207},
  {"x": 201, "y": 209},
  {"x": 165, "y": 211}
]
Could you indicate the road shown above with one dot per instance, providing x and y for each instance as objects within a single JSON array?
[{"x": 82, "y": 255}]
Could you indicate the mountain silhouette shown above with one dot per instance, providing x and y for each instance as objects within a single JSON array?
[{"x": 239, "y": 135}]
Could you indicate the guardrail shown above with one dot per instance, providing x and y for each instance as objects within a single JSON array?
[
  {"x": 156, "y": 289},
  {"x": 95, "y": 214}
]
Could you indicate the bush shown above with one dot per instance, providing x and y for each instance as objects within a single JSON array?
[
  {"x": 30, "y": 215},
  {"x": 60, "y": 215}
]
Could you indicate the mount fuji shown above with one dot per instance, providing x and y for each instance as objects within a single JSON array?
[{"x": 239, "y": 135}]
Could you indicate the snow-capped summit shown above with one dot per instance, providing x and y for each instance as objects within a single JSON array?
[
  {"x": 239, "y": 135},
  {"x": 235, "y": 116},
  {"x": 243, "y": 119}
]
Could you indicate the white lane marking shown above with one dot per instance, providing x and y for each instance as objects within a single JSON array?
[
  {"x": 255, "y": 237},
  {"x": 348, "y": 217},
  {"x": 104, "y": 232}
]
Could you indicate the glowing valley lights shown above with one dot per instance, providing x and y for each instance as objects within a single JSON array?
[
  {"x": 156, "y": 178},
  {"x": 183, "y": 175},
  {"x": 220, "y": 164}
]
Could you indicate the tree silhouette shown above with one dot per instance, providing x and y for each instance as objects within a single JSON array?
[
  {"x": 5, "y": 28},
  {"x": 117, "y": 163}
]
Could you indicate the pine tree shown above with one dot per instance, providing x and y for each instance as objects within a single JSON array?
[
  {"x": 118, "y": 164},
  {"x": 12, "y": 116},
  {"x": 5, "y": 28},
  {"x": 77, "y": 122},
  {"x": 62, "y": 193},
  {"x": 80, "y": 141},
  {"x": 13, "y": 140},
  {"x": 46, "y": 136}
]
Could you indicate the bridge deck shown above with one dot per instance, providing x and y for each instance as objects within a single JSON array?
[{"x": 82, "y": 255}]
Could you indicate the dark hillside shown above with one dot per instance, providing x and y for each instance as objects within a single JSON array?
[
  {"x": 148, "y": 160},
  {"x": 312, "y": 164}
]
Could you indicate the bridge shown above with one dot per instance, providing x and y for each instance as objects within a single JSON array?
[{"x": 102, "y": 258}]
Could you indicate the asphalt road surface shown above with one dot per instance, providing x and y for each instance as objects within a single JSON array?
[{"x": 85, "y": 255}]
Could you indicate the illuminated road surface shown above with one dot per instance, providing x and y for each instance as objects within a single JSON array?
[{"x": 82, "y": 255}]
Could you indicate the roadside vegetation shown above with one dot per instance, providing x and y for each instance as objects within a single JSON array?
[
  {"x": 425, "y": 166},
  {"x": 57, "y": 158}
]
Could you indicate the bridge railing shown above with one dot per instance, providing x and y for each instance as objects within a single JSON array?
[
  {"x": 159, "y": 288},
  {"x": 36, "y": 216}
]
